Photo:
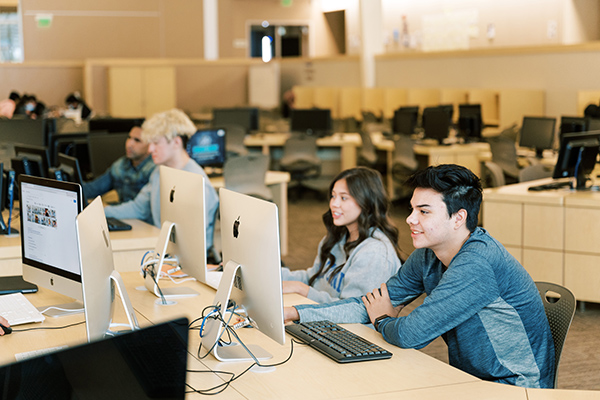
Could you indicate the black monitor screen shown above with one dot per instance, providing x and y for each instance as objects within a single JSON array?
[
  {"x": 537, "y": 133},
  {"x": 577, "y": 157},
  {"x": 207, "y": 147},
  {"x": 67, "y": 169},
  {"x": 246, "y": 117},
  {"x": 469, "y": 120},
  {"x": 311, "y": 121},
  {"x": 573, "y": 124},
  {"x": 114, "y": 125},
  {"x": 436, "y": 123},
  {"x": 405, "y": 120}
]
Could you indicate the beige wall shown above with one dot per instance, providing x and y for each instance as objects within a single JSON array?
[{"x": 111, "y": 28}]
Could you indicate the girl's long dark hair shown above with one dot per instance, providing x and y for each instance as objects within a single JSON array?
[{"x": 366, "y": 187}]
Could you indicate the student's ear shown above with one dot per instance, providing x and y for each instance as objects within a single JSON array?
[{"x": 460, "y": 218}]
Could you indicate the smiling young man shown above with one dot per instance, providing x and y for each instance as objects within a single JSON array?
[
  {"x": 167, "y": 134},
  {"x": 479, "y": 298}
]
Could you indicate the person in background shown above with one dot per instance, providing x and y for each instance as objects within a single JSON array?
[
  {"x": 8, "y": 106},
  {"x": 29, "y": 107},
  {"x": 74, "y": 102},
  {"x": 479, "y": 298},
  {"x": 360, "y": 250},
  {"x": 167, "y": 134},
  {"x": 128, "y": 174}
]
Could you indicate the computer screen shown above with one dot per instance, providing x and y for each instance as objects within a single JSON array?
[
  {"x": 67, "y": 169},
  {"x": 149, "y": 363},
  {"x": 114, "y": 125},
  {"x": 31, "y": 160},
  {"x": 537, "y": 133},
  {"x": 207, "y": 147},
  {"x": 405, "y": 120},
  {"x": 183, "y": 232},
  {"x": 7, "y": 197},
  {"x": 48, "y": 234},
  {"x": 577, "y": 157},
  {"x": 99, "y": 280},
  {"x": 25, "y": 131},
  {"x": 469, "y": 121},
  {"x": 436, "y": 123},
  {"x": 246, "y": 117},
  {"x": 312, "y": 121},
  {"x": 573, "y": 124},
  {"x": 252, "y": 272},
  {"x": 105, "y": 149}
]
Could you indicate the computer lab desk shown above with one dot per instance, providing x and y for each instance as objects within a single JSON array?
[
  {"x": 128, "y": 247},
  {"x": 409, "y": 374}
]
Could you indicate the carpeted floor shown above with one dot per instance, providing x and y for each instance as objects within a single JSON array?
[{"x": 580, "y": 362}]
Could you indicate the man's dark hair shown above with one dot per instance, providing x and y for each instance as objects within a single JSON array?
[{"x": 460, "y": 189}]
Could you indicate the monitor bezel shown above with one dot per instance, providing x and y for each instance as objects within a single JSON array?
[{"x": 566, "y": 171}]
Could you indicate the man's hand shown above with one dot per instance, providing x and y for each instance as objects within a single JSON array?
[
  {"x": 295, "y": 287},
  {"x": 290, "y": 314},
  {"x": 4, "y": 322},
  {"x": 378, "y": 303}
]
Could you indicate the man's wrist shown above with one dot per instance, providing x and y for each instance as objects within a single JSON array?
[{"x": 378, "y": 321}]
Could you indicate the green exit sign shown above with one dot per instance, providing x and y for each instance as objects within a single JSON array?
[{"x": 286, "y": 3}]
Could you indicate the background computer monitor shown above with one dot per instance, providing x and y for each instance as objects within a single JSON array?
[
  {"x": 436, "y": 123},
  {"x": 7, "y": 196},
  {"x": 31, "y": 160},
  {"x": 246, "y": 117},
  {"x": 183, "y": 231},
  {"x": 573, "y": 124},
  {"x": 25, "y": 131},
  {"x": 67, "y": 169},
  {"x": 99, "y": 280},
  {"x": 577, "y": 156},
  {"x": 49, "y": 236},
  {"x": 469, "y": 121},
  {"x": 105, "y": 149},
  {"x": 207, "y": 147},
  {"x": 537, "y": 133},
  {"x": 114, "y": 125},
  {"x": 312, "y": 121},
  {"x": 252, "y": 272},
  {"x": 405, "y": 120}
]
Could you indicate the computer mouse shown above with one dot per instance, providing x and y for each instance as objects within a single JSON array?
[{"x": 6, "y": 329}]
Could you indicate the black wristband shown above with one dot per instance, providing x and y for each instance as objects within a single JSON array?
[{"x": 378, "y": 320}]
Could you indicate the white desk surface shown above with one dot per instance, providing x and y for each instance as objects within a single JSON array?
[{"x": 308, "y": 374}]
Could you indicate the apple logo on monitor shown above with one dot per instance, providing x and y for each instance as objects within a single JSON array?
[
  {"x": 236, "y": 227},
  {"x": 172, "y": 194}
]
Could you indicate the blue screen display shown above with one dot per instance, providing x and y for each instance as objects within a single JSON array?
[{"x": 207, "y": 147}]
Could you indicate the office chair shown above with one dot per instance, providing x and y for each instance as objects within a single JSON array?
[
  {"x": 504, "y": 154},
  {"x": 404, "y": 163},
  {"x": 367, "y": 155},
  {"x": 535, "y": 171},
  {"x": 559, "y": 313},
  {"x": 493, "y": 176},
  {"x": 246, "y": 174},
  {"x": 300, "y": 159},
  {"x": 234, "y": 140}
]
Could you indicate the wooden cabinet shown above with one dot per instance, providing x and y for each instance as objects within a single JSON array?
[{"x": 554, "y": 234}]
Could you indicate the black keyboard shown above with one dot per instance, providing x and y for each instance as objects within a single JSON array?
[
  {"x": 117, "y": 225},
  {"x": 550, "y": 186},
  {"x": 336, "y": 342}
]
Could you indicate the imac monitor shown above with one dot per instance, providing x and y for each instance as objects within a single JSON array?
[
  {"x": 436, "y": 123},
  {"x": 252, "y": 273},
  {"x": 405, "y": 120},
  {"x": 469, "y": 121},
  {"x": 183, "y": 231},
  {"x": 99, "y": 280},
  {"x": 312, "y": 121},
  {"x": 537, "y": 133},
  {"x": 207, "y": 147},
  {"x": 577, "y": 157},
  {"x": 246, "y": 117},
  {"x": 49, "y": 235}
]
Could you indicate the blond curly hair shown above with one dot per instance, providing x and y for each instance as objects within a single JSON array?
[{"x": 170, "y": 124}]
